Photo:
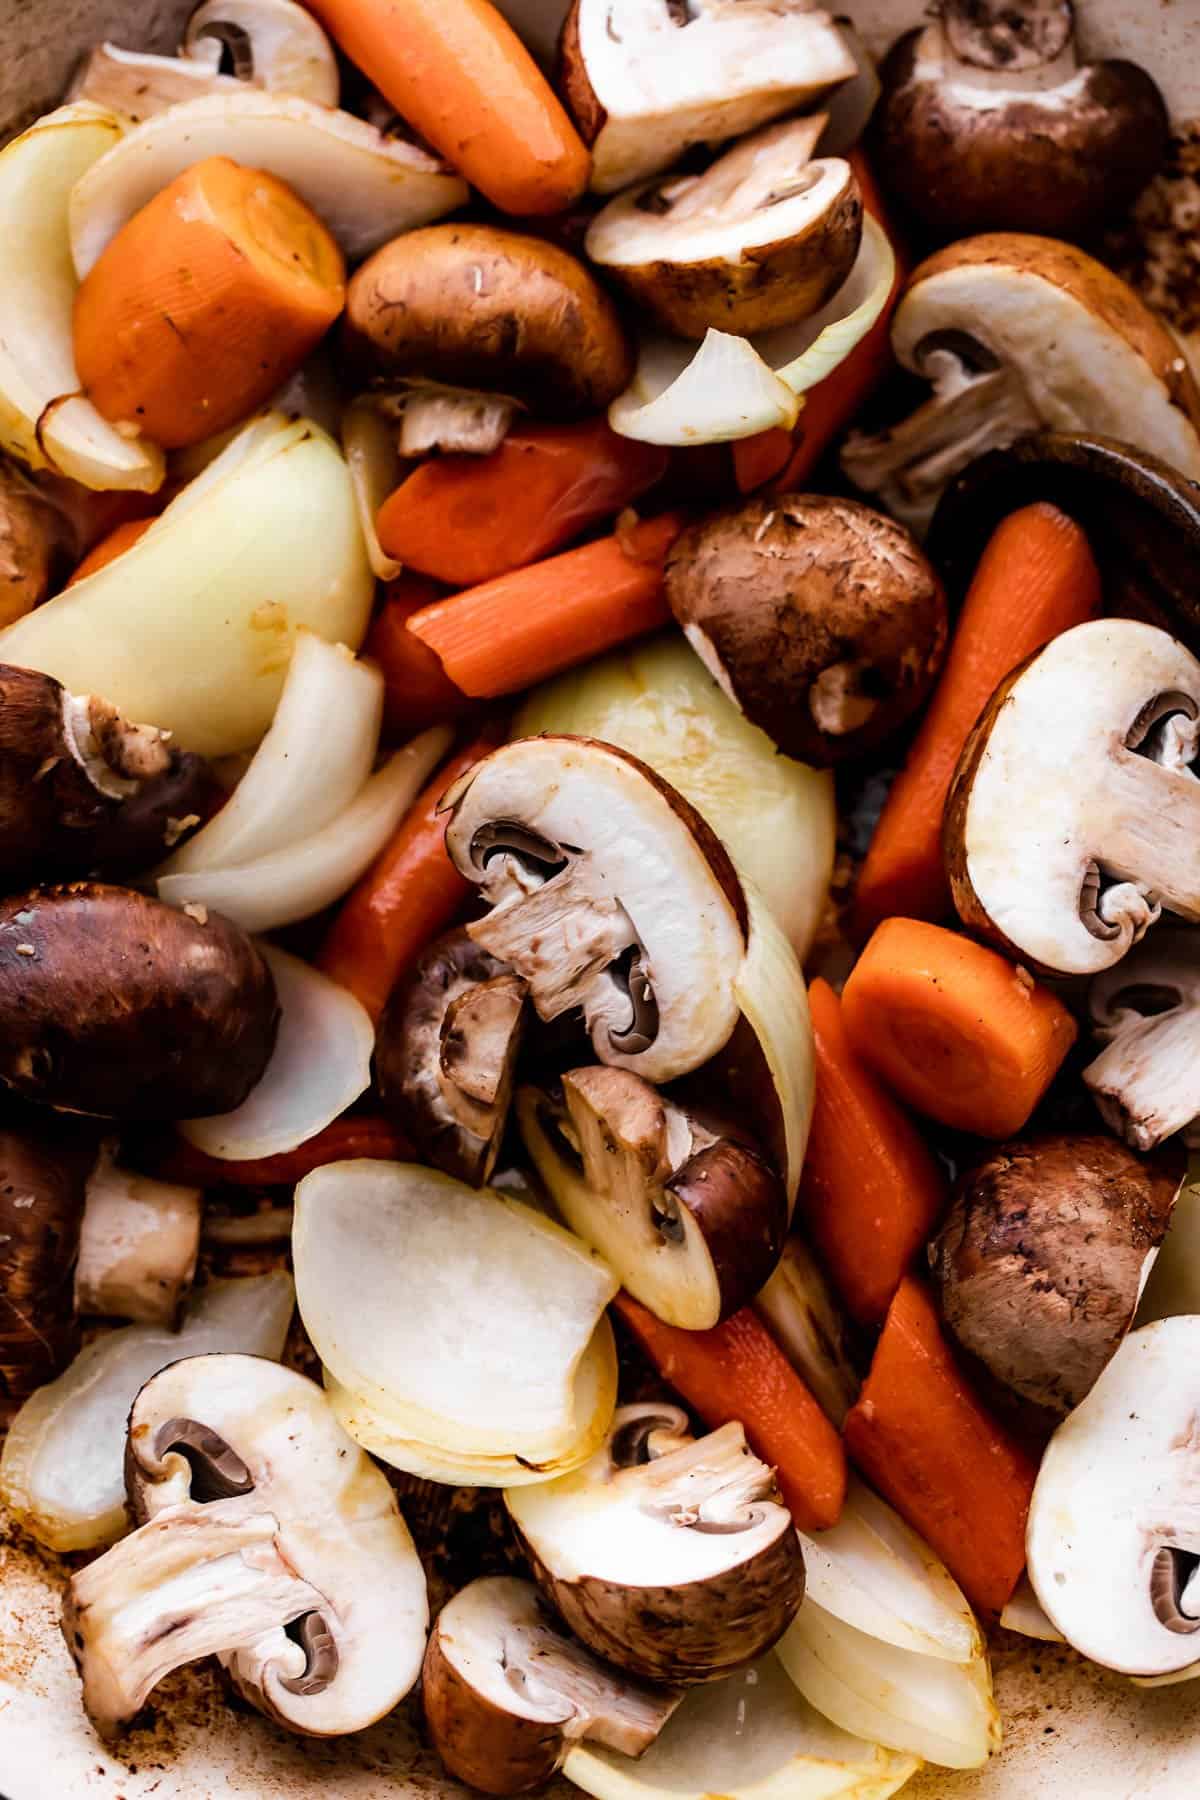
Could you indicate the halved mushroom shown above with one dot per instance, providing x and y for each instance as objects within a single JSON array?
[
  {"x": 762, "y": 239},
  {"x": 1017, "y": 332},
  {"x": 991, "y": 121},
  {"x": 1073, "y": 819},
  {"x": 1146, "y": 1012},
  {"x": 647, "y": 79},
  {"x": 275, "y": 44},
  {"x": 1114, "y": 1541},
  {"x": 507, "y": 1693},
  {"x": 445, "y": 1053},
  {"x": 136, "y": 84},
  {"x": 41, "y": 1211},
  {"x": 608, "y": 894},
  {"x": 33, "y": 542},
  {"x": 138, "y": 1245},
  {"x": 669, "y": 1556},
  {"x": 265, "y": 1537},
  {"x": 684, "y": 1208}
]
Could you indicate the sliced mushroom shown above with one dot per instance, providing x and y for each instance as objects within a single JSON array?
[
  {"x": 609, "y": 894},
  {"x": 990, "y": 121},
  {"x": 115, "y": 1004},
  {"x": 671, "y": 1557},
  {"x": 33, "y": 543},
  {"x": 1114, "y": 1541},
  {"x": 762, "y": 239},
  {"x": 507, "y": 1693},
  {"x": 138, "y": 1245},
  {"x": 41, "y": 1209},
  {"x": 1146, "y": 1012},
  {"x": 136, "y": 84},
  {"x": 1042, "y": 1258},
  {"x": 647, "y": 79},
  {"x": 445, "y": 1053},
  {"x": 819, "y": 617},
  {"x": 273, "y": 43},
  {"x": 265, "y": 1537},
  {"x": 1017, "y": 332}
]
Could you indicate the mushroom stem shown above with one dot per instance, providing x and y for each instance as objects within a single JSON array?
[
  {"x": 1154, "y": 840},
  {"x": 138, "y": 1246},
  {"x": 579, "y": 934},
  {"x": 454, "y": 421}
]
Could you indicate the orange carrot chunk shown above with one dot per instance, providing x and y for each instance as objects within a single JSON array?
[
  {"x": 737, "y": 1371},
  {"x": 120, "y": 538},
  {"x": 922, "y": 1437},
  {"x": 417, "y": 691},
  {"x": 344, "y": 1141},
  {"x": 954, "y": 1028}
]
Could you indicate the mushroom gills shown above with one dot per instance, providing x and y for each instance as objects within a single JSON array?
[{"x": 1146, "y": 1013}]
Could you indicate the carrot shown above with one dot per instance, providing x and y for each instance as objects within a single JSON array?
[
  {"x": 954, "y": 1028},
  {"x": 871, "y": 1190},
  {"x": 204, "y": 302},
  {"x": 920, "y": 1434},
  {"x": 756, "y": 459},
  {"x": 1036, "y": 578},
  {"x": 345, "y": 1140},
  {"x": 737, "y": 1371},
  {"x": 410, "y": 893},
  {"x": 520, "y": 628},
  {"x": 458, "y": 71},
  {"x": 120, "y": 538},
  {"x": 417, "y": 691},
  {"x": 467, "y": 519}
]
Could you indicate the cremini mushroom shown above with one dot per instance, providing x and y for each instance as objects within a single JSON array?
[
  {"x": 669, "y": 1556},
  {"x": 42, "y": 1179},
  {"x": 507, "y": 1692},
  {"x": 684, "y": 1208},
  {"x": 1016, "y": 332},
  {"x": 1146, "y": 1013},
  {"x": 608, "y": 894},
  {"x": 33, "y": 544},
  {"x": 138, "y": 1245},
  {"x": 1041, "y": 1260},
  {"x": 647, "y": 79},
  {"x": 1074, "y": 818},
  {"x": 445, "y": 1053},
  {"x": 991, "y": 121},
  {"x": 819, "y": 617},
  {"x": 265, "y": 1537},
  {"x": 275, "y": 44},
  {"x": 762, "y": 239}
]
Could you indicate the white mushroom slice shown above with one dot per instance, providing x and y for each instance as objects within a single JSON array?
[
  {"x": 1114, "y": 1528},
  {"x": 1074, "y": 816},
  {"x": 1146, "y": 1012},
  {"x": 646, "y": 80},
  {"x": 138, "y": 1245},
  {"x": 608, "y": 894},
  {"x": 366, "y": 188},
  {"x": 266, "y": 1537},
  {"x": 134, "y": 84},
  {"x": 275, "y": 44}
]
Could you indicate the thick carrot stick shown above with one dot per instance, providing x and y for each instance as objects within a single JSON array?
[
  {"x": 1036, "y": 578},
  {"x": 467, "y": 519},
  {"x": 345, "y": 1140},
  {"x": 417, "y": 691},
  {"x": 921, "y": 1436},
  {"x": 458, "y": 71},
  {"x": 204, "y": 302},
  {"x": 954, "y": 1028},
  {"x": 120, "y": 538},
  {"x": 410, "y": 893},
  {"x": 737, "y": 1371},
  {"x": 871, "y": 1190},
  {"x": 520, "y": 628}
]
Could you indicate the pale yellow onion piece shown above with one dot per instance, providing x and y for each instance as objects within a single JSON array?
[
  {"x": 776, "y": 817},
  {"x": 304, "y": 878},
  {"x": 376, "y": 469},
  {"x": 774, "y": 1001},
  {"x": 749, "y": 1737},
  {"x": 458, "y": 1313},
  {"x": 320, "y": 1065},
  {"x": 192, "y": 629},
  {"x": 204, "y": 466},
  {"x": 37, "y": 292},
  {"x": 62, "y": 1470},
  {"x": 367, "y": 188},
  {"x": 942, "y": 1711},
  {"x": 807, "y": 1324}
]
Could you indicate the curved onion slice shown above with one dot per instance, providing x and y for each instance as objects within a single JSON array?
[
  {"x": 44, "y": 418},
  {"x": 1024, "y": 1615},
  {"x": 321, "y": 1063},
  {"x": 308, "y": 768},
  {"x": 62, "y": 1471},
  {"x": 457, "y": 1313},
  {"x": 806, "y": 1323},
  {"x": 303, "y": 878},
  {"x": 772, "y": 997},
  {"x": 366, "y": 187},
  {"x": 369, "y": 446},
  {"x": 192, "y": 629},
  {"x": 733, "y": 387}
]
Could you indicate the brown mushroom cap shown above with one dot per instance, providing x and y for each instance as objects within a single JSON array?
[
  {"x": 31, "y": 545},
  {"x": 1040, "y": 1262},
  {"x": 819, "y": 617},
  {"x": 42, "y": 1187}
]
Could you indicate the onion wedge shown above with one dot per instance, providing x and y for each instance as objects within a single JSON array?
[
  {"x": 771, "y": 994},
  {"x": 376, "y": 469}
]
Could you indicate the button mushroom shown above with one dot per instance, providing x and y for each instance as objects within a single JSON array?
[
  {"x": 1042, "y": 1258},
  {"x": 115, "y": 1004},
  {"x": 687, "y": 1212},
  {"x": 762, "y": 239},
  {"x": 1146, "y": 1012},
  {"x": 507, "y": 1693},
  {"x": 1016, "y": 332},
  {"x": 445, "y": 1053},
  {"x": 138, "y": 1245},
  {"x": 265, "y": 1537},
  {"x": 819, "y": 617},
  {"x": 990, "y": 121},
  {"x": 647, "y": 79},
  {"x": 608, "y": 894},
  {"x": 41, "y": 1210}
]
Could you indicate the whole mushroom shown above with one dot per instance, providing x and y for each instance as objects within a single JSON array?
[{"x": 1146, "y": 1013}]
